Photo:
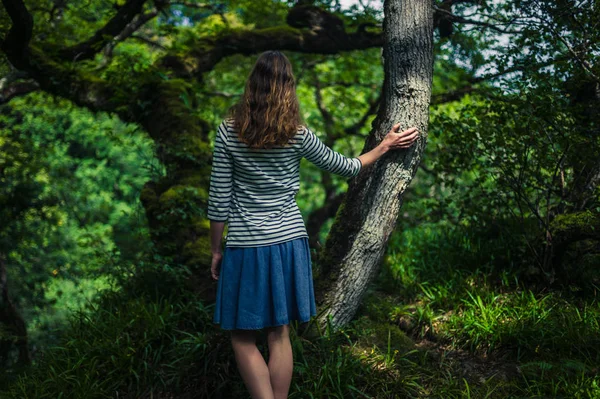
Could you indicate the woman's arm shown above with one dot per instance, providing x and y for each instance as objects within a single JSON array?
[
  {"x": 221, "y": 178},
  {"x": 325, "y": 158},
  {"x": 393, "y": 140},
  {"x": 219, "y": 195},
  {"x": 216, "y": 236}
]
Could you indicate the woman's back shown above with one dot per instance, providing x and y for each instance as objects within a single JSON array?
[{"x": 255, "y": 189}]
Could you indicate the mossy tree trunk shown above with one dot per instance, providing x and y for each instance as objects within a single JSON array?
[
  {"x": 175, "y": 204},
  {"x": 368, "y": 214}
]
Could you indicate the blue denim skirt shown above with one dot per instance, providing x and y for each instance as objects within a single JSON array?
[{"x": 265, "y": 286}]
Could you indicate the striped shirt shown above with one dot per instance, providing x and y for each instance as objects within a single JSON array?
[{"x": 254, "y": 190}]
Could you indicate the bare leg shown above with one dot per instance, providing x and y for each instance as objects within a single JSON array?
[
  {"x": 252, "y": 366},
  {"x": 281, "y": 362}
]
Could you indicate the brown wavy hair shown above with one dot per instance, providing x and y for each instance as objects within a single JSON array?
[{"x": 268, "y": 114}]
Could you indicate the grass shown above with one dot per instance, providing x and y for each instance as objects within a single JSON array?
[
  {"x": 458, "y": 290},
  {"x": 449, "y": 317},
  {"x": 130, "y": 346}
]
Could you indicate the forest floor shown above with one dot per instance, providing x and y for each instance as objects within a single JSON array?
[
  {"x": 529, "y": 359},
  {"x": 467, "y": 339}
]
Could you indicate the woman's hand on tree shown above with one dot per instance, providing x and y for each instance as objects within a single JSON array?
[
  {"x": 396, "y": 140},
  {"x": 392, "y": 141}
]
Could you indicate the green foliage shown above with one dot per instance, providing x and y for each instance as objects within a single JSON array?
[
  {"x": 469, "y": 276},
  {"x": 68, "y": 196},
  {"x": 521, "y": 147}
]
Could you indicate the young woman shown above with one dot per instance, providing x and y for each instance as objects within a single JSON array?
[{"x": 265, "y": 273}]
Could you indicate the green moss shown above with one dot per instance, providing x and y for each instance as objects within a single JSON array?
[
  {"x": 378, "y": 307},
  {"x": 180, "y": 194},
  {"x": 199, "y": 251},
  {"x": 201, "y": 225},
  {"x": 380, "y": 334},
  {"x": 567, "y": 227},
  {"x": 274, "y": 33},
  {"x": 192, "y": 144},
  {"x": 205, "y": 171},
  {"x": 278, "y": 31},
  {"x": 66, "y": 80},
  {"x": 168, "y": 113},
  {"x": 375, "y": 320},
  {"x": 192, "y": 179},
  {"x": 171, "y": 194},
  {"x": 200, "y": 48}
]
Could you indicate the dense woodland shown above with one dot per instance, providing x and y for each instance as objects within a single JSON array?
[{"x": 465, "y": 266}]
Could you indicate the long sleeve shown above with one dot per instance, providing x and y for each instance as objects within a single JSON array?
[
  {"x": 221, "y": 180},
  {"x": 327, "y": 159}
]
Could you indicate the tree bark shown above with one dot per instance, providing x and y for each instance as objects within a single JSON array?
[{"x": 368, "y": 214}]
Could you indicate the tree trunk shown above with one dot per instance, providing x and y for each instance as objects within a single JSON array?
[
  {"x": 584, "y": 94},
  {"x": 175, "y": 205},
  {"x": 15, "y": 329},
  {"x": 319, "y": 216},
  {"x": 359, "y": 235}
]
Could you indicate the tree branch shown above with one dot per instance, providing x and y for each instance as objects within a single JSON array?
[
  {"x": 130, "y": 29},
  {"x": 99, "y": 95},
  {"x": 205, "y": 53},
  {"x": 348, "y": 84},
  {"x": 18, "y": 37},
  {"x": 457, "y": 18},
  {"x": 373, "y": 106},
  {"x": 453, "y": 95},
  {"x": 582, "y": 61},
  {"x": 325, "y": 114},
  {"x": 104, "y": 36},
  {"x": 457, "y": 94},
  {"x": 53, "y": 77},
  {"x": 224, "y": 94},
  {"x": 8, "y": 92},
  {"x": 148, "y": 41}
]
